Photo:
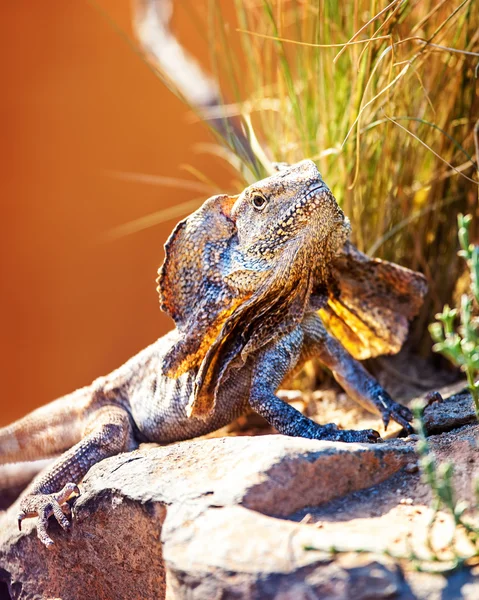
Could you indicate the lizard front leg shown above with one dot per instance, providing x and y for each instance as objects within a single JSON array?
[
  {"x": 350, "y": 374},
  {"x": 108, "y": 432},
  {"x": 271, "y": 366}
]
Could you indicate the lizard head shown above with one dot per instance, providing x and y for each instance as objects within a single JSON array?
[{"x": 293, "y": 208}]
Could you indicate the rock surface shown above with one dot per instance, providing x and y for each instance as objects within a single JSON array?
[
  {"x": 444, "y": 416},
  {"x": 207, "y": 500},
  {"x": 245, "y": 517}
]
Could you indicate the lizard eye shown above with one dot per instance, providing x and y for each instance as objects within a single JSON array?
[{"x": 258, "y": 201}]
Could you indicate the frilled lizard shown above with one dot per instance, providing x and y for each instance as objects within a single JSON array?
[{"x": 257, "y": 284}]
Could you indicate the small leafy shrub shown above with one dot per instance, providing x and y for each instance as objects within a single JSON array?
[{"x": 461, "y": 344}]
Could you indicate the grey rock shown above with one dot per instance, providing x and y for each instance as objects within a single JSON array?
[
  {"x": 215, "y": 519},
  {"x": 454, "y": 412},
  {"x": 197, "y": 511}
]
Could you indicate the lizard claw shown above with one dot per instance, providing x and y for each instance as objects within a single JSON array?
[
  {"x": 392, "y": 410},
  {"x": 45, "y": 505},
  {"x": 373, "y": 436},
  {"x": 432, "y": 397},
  {"x": 403, "y": 416},
  {"x": 370, "y": 436},
  {"x": 331, "y": 432},
  {"x": 386, "y": 418}
]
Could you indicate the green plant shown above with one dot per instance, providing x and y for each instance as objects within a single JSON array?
[
  {"x": 461, "y": 345},
  {"x": 439, "y": 479}
]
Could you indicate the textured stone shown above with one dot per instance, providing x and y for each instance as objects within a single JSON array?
[
  {"x": 250, "y": 518},
  {"x": 454, "y": 412},
  {"x": 205, "y": 499}
]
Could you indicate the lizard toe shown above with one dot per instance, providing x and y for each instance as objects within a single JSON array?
[
  {"x": 68, "y": 490},
  {"x": 403, "y": 416},
  {"x": 392, "y": 410},
  {"x": 369, "y": 436},
  {"x": 60, "y": 517},
  {"x": 43, "y": 506},
  {"x": 42, "y": 523}
]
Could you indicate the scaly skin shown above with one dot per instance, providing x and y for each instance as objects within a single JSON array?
[{"x": 243, "y": 278}]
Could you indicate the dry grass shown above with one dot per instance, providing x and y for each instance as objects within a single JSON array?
[{"x": 383, "y": 98}]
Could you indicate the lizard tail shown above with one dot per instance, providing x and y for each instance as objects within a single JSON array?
[
  {"x": 14, "y": 478},
  {"x": 47, "y": 431}
]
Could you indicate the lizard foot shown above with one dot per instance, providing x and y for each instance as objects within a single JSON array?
[
  {"x": 45, "y": 505},
  {"x": 392, "y": 410},
  {"x": 331, "y": 432}
]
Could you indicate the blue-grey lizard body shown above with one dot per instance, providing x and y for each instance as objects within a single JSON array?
[{"x": 250, "y": 281}]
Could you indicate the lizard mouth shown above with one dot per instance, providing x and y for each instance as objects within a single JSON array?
[
  {"x": 329, "y": 227},
  {"x": 317, "y": 196},
  {"x": 319, "y": 202},
  {"x": 314, "y": 189},
  {"x": 313, "y": 198}
]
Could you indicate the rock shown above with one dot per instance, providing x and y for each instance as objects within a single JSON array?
[
  {"x": 460, "y": 585},
  {"x": 207, "y": 501},
  {"x": 443, "y": 416},
  {"x": 237, "y": 553},
  {"x": 251, "y": 518},
  {"x": 117, "y": 555}
]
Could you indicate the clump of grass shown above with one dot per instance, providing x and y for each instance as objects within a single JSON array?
[
  {"x": 384, "y": 101},
  {"x": 461, "y": 345},
  {"x": 383, "y": 98}
]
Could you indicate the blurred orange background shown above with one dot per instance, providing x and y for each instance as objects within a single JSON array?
[{"x": 76, "y": 104}]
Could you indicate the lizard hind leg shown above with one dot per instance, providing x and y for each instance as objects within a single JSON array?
[{"x": 107, "y": 433}]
